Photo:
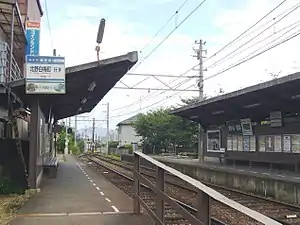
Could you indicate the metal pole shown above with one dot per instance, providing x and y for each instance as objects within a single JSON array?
[
  {"x": 75, "y": 131},
  {"x": 66, "y": 138},
  {"x": 107, "y": 128},
  {"x": 11, "y": 42},
  {"x": 93, "y": 136},
  {"x": 8, "y": 79},
  {"x": 200, "y": 84}
]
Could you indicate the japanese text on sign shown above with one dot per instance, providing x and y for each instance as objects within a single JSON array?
[{"x": 45, "y": 69}]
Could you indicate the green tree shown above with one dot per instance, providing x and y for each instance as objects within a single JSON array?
[
  {"x": 161, "y": 130},
  {"x": 60, "y": 144}
]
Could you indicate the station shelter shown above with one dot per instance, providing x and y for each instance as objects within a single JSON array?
[
  {"x": 257, "y": 124},
  {"x": 86, "y": 85}
]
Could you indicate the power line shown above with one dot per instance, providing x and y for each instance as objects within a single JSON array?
[
  {"x": 192, "y": 68},
  {"x": 164, "y": 26},
  {"x": 221, "y": 72},
  {"x": 166, "y": 38},
  {"x": 294, "y": 25},
  {"x": 48, "y": 22},
  {"x": 235, "y": 39},
  {"x": 247, "y": 42}
]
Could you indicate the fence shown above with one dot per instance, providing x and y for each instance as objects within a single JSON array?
[
  {"x": 204, "y": 196},
  {"x": 4, "y": 65}
]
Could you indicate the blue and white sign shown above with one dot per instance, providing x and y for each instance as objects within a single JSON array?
[
  {"x": 45, "y": 75},
  {"x": 33, "y": 38}
]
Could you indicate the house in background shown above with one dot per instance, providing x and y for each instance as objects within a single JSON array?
[{"x": 126, "y": 132}]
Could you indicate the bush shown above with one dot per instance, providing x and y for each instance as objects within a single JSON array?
[
  {"x": 128, "y": 146},
  {"x": 113, "y": 144},
  {"x": 5, "y": 185},
  {"x": 75, "y": 150}
]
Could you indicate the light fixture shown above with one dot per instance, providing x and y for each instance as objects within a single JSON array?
[
  {"x": 218, "y": 112},
  {"x": 193, "y": 117},
  {"x": 296, "y": 96},
  {"x": 80, "y": 109},
  {"x": 83, "y": 100},
  {"x": 252, "y": 105},
  {"x": 92, "y": 86}
]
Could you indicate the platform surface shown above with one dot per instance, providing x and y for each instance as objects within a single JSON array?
[
  {"x": 214, "y": 164},
  {"x": 79, "y": 196}
]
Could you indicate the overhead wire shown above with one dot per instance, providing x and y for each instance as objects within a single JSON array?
[
  {"x": 248, "y": 29},
  {"x": 172, "y": 31},
  {"x": 294, "y": 35},
  {"x": 247, "y": 42},
  {"x": 294, "y": 25},
  {"x": 48, "y": 22},
  {"x": 164, "y": 26},
  {"x": 221, "y": 49}
]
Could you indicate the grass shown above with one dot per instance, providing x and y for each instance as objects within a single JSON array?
[
  {"x": 116, "y": 157},
  {"x": 9, "y": 205}
]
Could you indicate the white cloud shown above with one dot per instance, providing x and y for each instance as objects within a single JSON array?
[{"x": 75, "y": 39}]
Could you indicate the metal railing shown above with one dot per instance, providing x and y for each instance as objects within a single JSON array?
[
  {"x": 204, "y": 196},
  {"x": 4, "y": 65}
]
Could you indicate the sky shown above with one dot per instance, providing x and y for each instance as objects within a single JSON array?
[{"x": 131, "y": 25}]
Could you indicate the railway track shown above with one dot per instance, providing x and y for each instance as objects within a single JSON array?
[
  {"x": 125, "y": 183},
  {"x": 285, "y": 213}
]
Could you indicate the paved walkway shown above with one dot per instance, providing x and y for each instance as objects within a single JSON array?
[
  {"x": 78, "y": 196},
  {"x": 214, "y": 164}
]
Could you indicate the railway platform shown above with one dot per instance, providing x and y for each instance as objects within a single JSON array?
[
  {"x": 279, "y": 185},
  {"x": 79, "y": 196},
  {"x": 214, "y": 163}
]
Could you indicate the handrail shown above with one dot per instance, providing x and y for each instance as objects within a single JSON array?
[
  {"x": 205, "y": 194},
  {"x": 4, "y": 65}
]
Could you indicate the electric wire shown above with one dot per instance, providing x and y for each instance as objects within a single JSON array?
[
  {"x": 260, "y": 33},
  {"x": 235, "y": 39},
  {"x": 48, "y": 22},
  {"x": 294, "y": 35},
  {"x": 172, "y": 31},
  {"x": 164, "y": 26}
]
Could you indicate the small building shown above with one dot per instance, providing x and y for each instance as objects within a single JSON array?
[
  {"x": 258, "y": 124},
  {"x": 126, "y": 132}
]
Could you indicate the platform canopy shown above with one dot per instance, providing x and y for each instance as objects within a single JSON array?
[
  {"x": 256, "y": 102},
  {"x": 86, "y": 85}
]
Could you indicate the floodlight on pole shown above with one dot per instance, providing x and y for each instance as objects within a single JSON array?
[{"x": 100, "y": 36}]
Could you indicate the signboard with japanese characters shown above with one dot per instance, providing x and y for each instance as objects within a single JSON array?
[
  {"x": 45, "y": 75},
  {"x": 32, "y": 38}
]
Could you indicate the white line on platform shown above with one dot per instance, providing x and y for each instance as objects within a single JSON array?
[
  {"x": 107, "y": 199},
  {"x": 241, "y": 170},
  {"x": 280, "y": 175},
  {"x": 85, "y": 214},
  {"x": 98, "y": 188},
  {"x": 42, "y": 214},
  {"x": 253, "y": 172},
  {"x": 101, "y": 193},
  {"x": 266, "y": 173},
  {"x": 115, "y": 208}
]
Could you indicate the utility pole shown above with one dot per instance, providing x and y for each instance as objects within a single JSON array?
[
  {"x": 66, "y": 138},
  {"x": 75, "y": 131},
  {"x": 93, "y": 136},
  {"x": 199, "y": 56},
  {"x": 107, "y": 128}
]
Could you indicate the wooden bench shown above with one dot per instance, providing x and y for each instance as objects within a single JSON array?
[{"x": 51, "y": 166}]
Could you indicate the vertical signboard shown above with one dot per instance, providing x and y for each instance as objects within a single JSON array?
[
  {"x": 33, "y": 38},
  {"x": 45, "y": 75},
  {"x": 246, "y": 127}
]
